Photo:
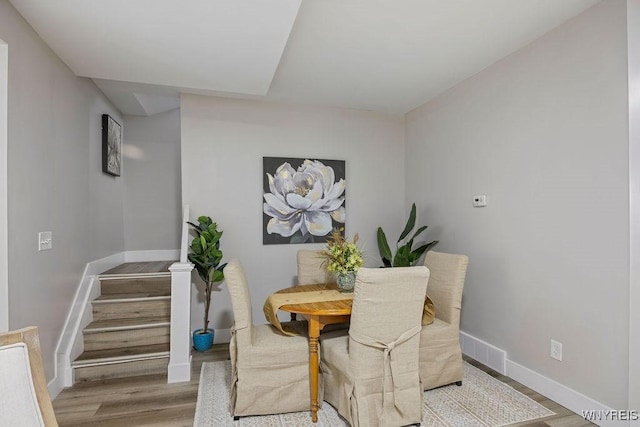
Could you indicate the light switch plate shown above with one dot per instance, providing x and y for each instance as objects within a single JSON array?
[{"x": 45, "y": 240}]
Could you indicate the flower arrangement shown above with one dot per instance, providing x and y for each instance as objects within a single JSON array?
[{"x": 341, "y": 255}]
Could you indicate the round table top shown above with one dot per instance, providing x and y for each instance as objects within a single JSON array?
[{"x": 322, "y": 308}]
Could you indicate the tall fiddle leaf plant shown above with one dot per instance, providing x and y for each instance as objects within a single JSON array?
[
  {"x": 206, "y": 255},
  {"x": 405, "y": 255}
]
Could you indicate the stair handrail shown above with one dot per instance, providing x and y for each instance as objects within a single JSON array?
[
  {"x": 184, "y": 243},
  {"x": 179, "y": 369}
]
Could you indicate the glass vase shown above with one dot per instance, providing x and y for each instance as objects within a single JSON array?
[{"x": 346, "y": 281}]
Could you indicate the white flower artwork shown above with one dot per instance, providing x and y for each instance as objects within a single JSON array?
[
  {"x": 111, "y": 146},
  {"x": 304, "y": 200}
]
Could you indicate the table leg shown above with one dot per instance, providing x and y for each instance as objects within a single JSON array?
[{"x": 314, "y": 333}]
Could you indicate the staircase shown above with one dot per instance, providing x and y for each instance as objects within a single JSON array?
[{"x": 129, "y": 334}]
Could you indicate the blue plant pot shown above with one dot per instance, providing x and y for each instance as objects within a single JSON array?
[{"x": 203, "y": 341}]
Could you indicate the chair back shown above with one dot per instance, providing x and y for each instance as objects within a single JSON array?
[
  {"x": 240, "y": 298},
  {"x": 387, "y": 304},
  {"x": 24, "y": 397},
  {"x": 312, "y": 269},
  {"x": 448, "y": 272}
]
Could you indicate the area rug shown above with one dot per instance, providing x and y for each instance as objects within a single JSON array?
[{"x": 481, "y": 401}]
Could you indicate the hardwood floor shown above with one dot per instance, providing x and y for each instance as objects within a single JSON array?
[
  {"x": 136, "y": 401},
  {"x": 150, "y": 401}
]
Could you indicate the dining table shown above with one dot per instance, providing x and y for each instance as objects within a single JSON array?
[{"x": 321, "y": 305}]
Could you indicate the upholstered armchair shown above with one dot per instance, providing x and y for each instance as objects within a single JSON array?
[
  {"x": 24, "y": 397},
  {"x": 270, "y": 371},
  {"x": 371, "y": 375},
  {"x": 440, "y": 352}
]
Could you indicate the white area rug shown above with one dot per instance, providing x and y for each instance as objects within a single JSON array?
[{"x": 481, "y": 401}]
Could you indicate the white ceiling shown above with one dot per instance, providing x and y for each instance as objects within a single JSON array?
[{"x": 381, "y": 55}]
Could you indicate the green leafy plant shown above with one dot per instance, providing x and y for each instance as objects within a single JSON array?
[
  {"x": 405, "y": 255},
  {"x": 206, "y": 255}
]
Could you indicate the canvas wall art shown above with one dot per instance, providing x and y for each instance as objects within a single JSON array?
[
  {"x": 303, "y": 200},
  {"x": 111, "y": 146}
]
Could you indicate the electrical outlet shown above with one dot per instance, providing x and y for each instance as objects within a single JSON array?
[
  {"x": 45, "y": 241},
  {"x": 480, "y": 201},
  {"x": 556, "y": 350}
]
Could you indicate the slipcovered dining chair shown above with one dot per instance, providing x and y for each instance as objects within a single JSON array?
[
  {"x": 371, "y": 375},
  {"x": 270, "y": 371},
  {"x": 24, "y": 397},
  {"x": 440, "y": 352},
  {"x": 312, "y": 269}
]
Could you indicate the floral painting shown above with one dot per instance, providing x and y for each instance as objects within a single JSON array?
[
  {"x": 111, "y": 146},
  {"x": 303, "y": 201}
]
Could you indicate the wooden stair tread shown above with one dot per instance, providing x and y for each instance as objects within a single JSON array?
[
  {"x": 124, "y": 323},
  {"x": 135, "y": 268},
  {"x": 134, "y": 295},
  {"x": 130, "y": 353}
]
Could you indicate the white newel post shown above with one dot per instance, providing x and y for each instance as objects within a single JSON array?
[
  {"x": 179, "y": 369},
  {"x": 180, "y": 351}
]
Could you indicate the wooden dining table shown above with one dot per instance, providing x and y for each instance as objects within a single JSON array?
[{"x": 318, "y": 314}]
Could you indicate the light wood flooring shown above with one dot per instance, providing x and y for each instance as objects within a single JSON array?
[{"x": 150, "y": 401}]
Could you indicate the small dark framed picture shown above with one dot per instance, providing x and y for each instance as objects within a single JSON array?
[{"x": 111, "y": 146}]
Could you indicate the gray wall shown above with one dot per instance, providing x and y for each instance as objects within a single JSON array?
[
  {"x": 55, "y": 182},
  {"x": 223, "y": 142},
  {"x": 633, "y": 40},
  {"x": 152, "y": 212},
  {"x": 543, "y": 133},
  {"x": 4, "y": 276}
]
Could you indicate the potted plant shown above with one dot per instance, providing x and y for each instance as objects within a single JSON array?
[
  {"x": 405, "y": 255},
  {"x": 343, "y": 258},
  {"x": 206, "y": 255}
]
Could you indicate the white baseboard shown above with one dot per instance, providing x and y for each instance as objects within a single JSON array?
[
  {"x": 55, "y": 386},
  {"x": 496, "y": 359},
  {"x": 222, "y": 336},
  {"x": 157, "y": 255},
  {"x": 483, "y": 352},
  {"x": 569, "y": 398},
  {"x": 179, "y": 372}
]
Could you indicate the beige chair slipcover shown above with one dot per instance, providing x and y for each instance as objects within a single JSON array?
[
  {"x": 24, "y": 397},
  {"x": 371, "y": 376},
  {"x": 312, "y": 268},
  {"x": 270, "y": 371},
  {"x": 440, "y": 353}
]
